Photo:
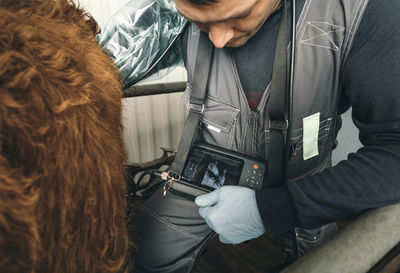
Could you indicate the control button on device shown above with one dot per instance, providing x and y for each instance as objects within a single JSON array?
[{"x": 252, "y": 181}]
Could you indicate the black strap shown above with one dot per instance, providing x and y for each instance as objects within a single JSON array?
[
  {"x": 277, "y": 106},
  {"x": 195, "y": 105}
]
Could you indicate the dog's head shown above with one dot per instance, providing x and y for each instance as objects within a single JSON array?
[{"x": 62, "y": 202}]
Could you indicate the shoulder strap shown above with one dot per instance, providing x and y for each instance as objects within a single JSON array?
[
  {"x": 195, "y": 105},
  {"x": 278, "y": 106}
]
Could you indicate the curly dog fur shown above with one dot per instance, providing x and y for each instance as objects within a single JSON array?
[{"x": 62, "y": 194}]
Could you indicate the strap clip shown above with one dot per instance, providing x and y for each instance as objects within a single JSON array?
[
  {"x": 282, "y": 125},
  {"x": 195, "y": 107}
]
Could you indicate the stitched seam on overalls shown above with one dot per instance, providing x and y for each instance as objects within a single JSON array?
[
  {"x": 226, "y": 128},
  {"x": 243, "y": 136},
  {"x": 303, "y": 17},
  {"x": 308, "y": 41},
  {"x": 308, "y": 240},
  {"x": 255, "y": 133},
  {"x": 326, "y": 132},
  {"x": 232, "y": 117},
  {"x": 222, "y": 102},
  {"x": 267, "y": 143},
  {"x": 232, "y": 134},
  {"x": 158, "y": 217}
]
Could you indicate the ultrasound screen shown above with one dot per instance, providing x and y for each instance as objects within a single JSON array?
[{"x": 212, "y": 170}]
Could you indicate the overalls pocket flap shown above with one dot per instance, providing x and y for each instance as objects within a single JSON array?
[{"x": 217, "y": 116}]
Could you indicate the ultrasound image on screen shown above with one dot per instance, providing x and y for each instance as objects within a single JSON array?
[{"x": 212, "y": 170}]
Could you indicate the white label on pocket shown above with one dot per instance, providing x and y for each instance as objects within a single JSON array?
[
  {"x": 310, "y": 136},
  {"x": 215, "y": 129}
]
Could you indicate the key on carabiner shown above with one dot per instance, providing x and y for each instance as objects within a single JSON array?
[{"x": 167, "y": 186}]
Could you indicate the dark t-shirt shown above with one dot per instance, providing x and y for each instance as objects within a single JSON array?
[
  {"x": 371, "y": 85},
  {"x": 254, "y": 60}
]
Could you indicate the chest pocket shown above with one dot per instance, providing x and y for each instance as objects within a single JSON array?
[
  {"x": 297, "y": 138},
  {"x": 297, "y": 166},
  {"x": 217, "y": 124}
]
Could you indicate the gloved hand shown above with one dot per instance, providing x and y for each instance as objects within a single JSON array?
[{"x": 232, "y": 212}]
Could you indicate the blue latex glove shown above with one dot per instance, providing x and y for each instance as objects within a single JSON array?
[{"x": 232, "y": 212}]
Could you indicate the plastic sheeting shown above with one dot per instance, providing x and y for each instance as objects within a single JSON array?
[{"x": 143, "y": 39}]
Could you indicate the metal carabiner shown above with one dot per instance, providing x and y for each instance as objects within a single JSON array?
[{"x": 170, "y": 177}]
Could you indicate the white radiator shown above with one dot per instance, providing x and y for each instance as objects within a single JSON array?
[{"x": 152, "y": 122}]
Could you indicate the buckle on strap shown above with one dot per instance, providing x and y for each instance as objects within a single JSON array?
[
  {"x": 199, "y": 108},
  {"x": 278, "y": 124}
]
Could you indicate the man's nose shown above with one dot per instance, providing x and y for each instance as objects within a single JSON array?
[{"x": 220, "y": 35}]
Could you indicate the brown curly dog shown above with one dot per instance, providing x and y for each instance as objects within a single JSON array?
[{"x": 62, "y": 193}]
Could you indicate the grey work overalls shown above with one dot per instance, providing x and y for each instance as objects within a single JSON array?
[{"x": 169, "y": 231}]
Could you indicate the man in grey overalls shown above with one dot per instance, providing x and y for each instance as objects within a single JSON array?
[{"x": 346, "y": 54}]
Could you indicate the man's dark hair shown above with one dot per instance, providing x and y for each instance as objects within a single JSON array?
[{"x": 202, "y": 2}]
